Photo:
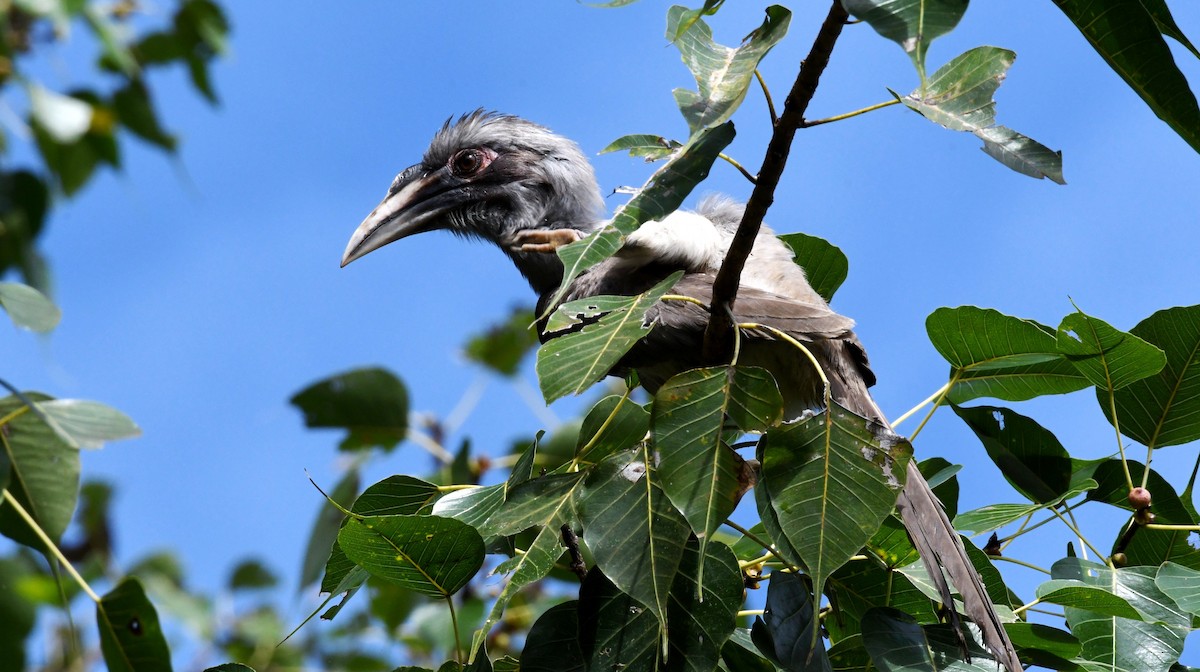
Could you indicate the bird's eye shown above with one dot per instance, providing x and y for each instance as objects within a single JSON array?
[{"x": 468, "y": 162}]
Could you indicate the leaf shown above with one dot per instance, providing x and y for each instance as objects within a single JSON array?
[
  {"x": 547, "y": 500},
  {"x": 789, "y": 620},
  {"x": 1097, "y": 599},
  {"x": 703, "y": 607},
  {"x": 857, "y": 587},
  {"x": 396, "y": 495},
  {"x": 28, "y": 308},
  {"x": 1148, "y": 547},
  {"x": 831, "y": 482},
  {"x": 1031, "y": 458},
  {"x": 65, "y": 118},
  {"x": 1164, "y": 409},
  {"x": 897, "y": 643},
  {"x": 1181, "y": 584},
  {"x": 698, "y": 472},
  {"x": 1043, "y": 645},
  {"x": 552, "y": 644},
  {"x": 723, "y": 75},
  {"x": 652, "y": 147},
  {"x": 1113, "y": 643},
  {"x": 995, "y": 516},
  {"x": 503, "y": 346},
  {"x": 1109, "y": 358},
  {"x": 636, "y": 536},
  {"x": 912, "y": 24},
  {"x": 1161, "y": 14},
  {"x": 1128, "y": 38},
  {"x": 431, "y": 555},
  {"x": 570, "y": 363},
  {"x": 323, "y": 537},
  {"x": 251, "y": 574},
  {"x": 995, "y": 355},
  {"x": 472, "y": 506},
  {"x": 44, "y": 475},
  {"x": 130, "y": 635},
  {"x": 959, "y": 97},
  {"x": 17, "y": 611},
  {"x": 616, "y": 632},
  {"x": 87, "y": 424},
  {"x": 824, "y": 264},
  {"x": 614, "y": 423},
  {"x": 741, "y": 654},
  {"x": 662, "y": 194},
  {"x": 371, "y": 404},
  {"x": 136, "y": 112}
]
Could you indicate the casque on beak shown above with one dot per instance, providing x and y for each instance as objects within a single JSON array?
[{"x": 414, "y": 204}]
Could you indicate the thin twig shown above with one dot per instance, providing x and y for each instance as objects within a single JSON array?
[
  {"x": 767, "y": 94},
  {"x": 741, "y": 169},
  {"x": 855, "y": 113},
  {"x": 718, "y": 336}
]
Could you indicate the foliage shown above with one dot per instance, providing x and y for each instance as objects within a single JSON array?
[{"x": 609, "y": 544}]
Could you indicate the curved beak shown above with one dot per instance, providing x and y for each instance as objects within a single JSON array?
[{"x": 415, "y": 204}]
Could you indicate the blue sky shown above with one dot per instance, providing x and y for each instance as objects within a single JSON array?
[{"x": 200, "y": 292}]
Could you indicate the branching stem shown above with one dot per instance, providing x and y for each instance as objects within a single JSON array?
[{"x": 936, "y": 396}]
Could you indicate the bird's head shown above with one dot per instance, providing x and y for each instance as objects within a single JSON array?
[{"x": 488, "y": 176}]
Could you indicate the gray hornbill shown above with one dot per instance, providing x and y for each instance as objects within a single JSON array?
[{"x": 528, "y": 190}]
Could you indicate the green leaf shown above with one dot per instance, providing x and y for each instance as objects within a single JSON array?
[
  {"x": 552, "y": 644},
  {"x": 789, "y": 619},
  {"x": 703, "y": 607},
  {"x": 616, "y": 632},
  {"x": 1031, "y": 458},
  {"x": 28, "y": 308},
  {"x": 1109, "y": 358},
  {"x": 570, "y": 363},
  {"x": 546, "y": 500},
  {"x": 831, "y": 482},
  {"x": 1097, "y": 599},
  {"x": 136, "y": 112},
  {"x": 44, "y": 475},
  {"x": 662, "y": 194},
  {"x": 635, "y": 534},
  {"x": 24, "y": 200},
  {"x": 825, "y": 265},
  {"x": 87, "y": 424},
  {"x": 1164, "y": 409},
  {"x": 857, "y": 587},
  {"x": 1113, "y": 643},
  {"x": 323, "y": 537},
  {"x": 995, "y": 516},
  {"x": 472, "y": 506},
  {"x": 1128, "y": 38},
  {"x": 699, "y": 473},
  {"x": 1161, "y": 14},
  {"x": 614, "y": 423},
  {"x": 130, "y": 636},
  {"x": 741, "y": 654},
  {"x": 652, "y": 147},
  {"x": 912, "y": 24},
  {"x": 251, "y": 574},
  {"x": 897, "y": 643},
  {"x": 396, "y": 495},
  {"x": 959, "y": 97},
  {"x": 723, "y": 75},
  {"x": 371, "y": 404},
  {"x": 432, "y": 555},
  {"x": 1181, "y": 584},
  {"x": 995, "y": 355},
  {"x": 1043, "y": 645},
  {"x": 503, "y": 346},
  {"x": 17, "y": 611},
  {"x": 1148, "y": 547}
]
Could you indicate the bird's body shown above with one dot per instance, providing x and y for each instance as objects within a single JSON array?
[{"x": 527, "y": 190}]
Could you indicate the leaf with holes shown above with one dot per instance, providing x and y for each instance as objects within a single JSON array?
[
  {"x": 652, "y": 147},
  {"x": 432, "y": 555},
  {"x": 130, "y": 635},
  {"x": 995, "y": 355},
  {"x": 1030, "y": 457},
  {"x": 1108, "y": 357}
]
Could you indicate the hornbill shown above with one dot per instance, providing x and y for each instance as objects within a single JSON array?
[{"x": 527, "y": 190}]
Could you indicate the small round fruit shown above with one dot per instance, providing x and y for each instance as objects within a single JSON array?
[{"x": 1139, "y": 498}]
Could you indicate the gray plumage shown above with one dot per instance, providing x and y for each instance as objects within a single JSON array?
[{"x": 510, "y": 181}]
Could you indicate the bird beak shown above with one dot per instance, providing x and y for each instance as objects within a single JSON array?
[{"x": 413, "y": 206}]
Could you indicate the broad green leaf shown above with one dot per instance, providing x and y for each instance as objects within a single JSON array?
[
  {"x": 992, "y": 581},
  {"x": 891, "y": 544},
  {"x": 1181, "y": 584},
  {"x": 824, "y": 264},
  {"x": 849, "y": 654},
  {"x": 432, "y": 555},
  {"x": 251, "y": 574},
  {"x": 703, "y": 607},
  {"x": 323, "y": 538},
  {"x": 17, "y": 611},
  {"x": 1031, "y": 458},
  {"x": 396, "y": 495},
  {"x": 1043, "y": 645},
  {"x": 1164, "y": 409},
  {"x": 1109, "y": 358},
  {"x": 472, "y": 506},
  {"x": 662, "y": 194},
  {"x": 897, "y": 643},
  {"x": 995, "y": 516},
  {"x": 130, "y": 636},
  {"x": 741, "y": 654},
  {"x": 28, "y": 308},
  {"x": 614, "y": 423},
  {"x": 571, "y": 362},
  {"x": 723, "y": 75},
  {"x": 699, "y": 473},
  {"x": 995, "y": 355},
  {"x": 1148, "y": 547},
  {"x": 44, "y": 473},
  {"x": 503, "y": 346},
  {"x": 652, "y": 147},
  {"x": 912, "y": 24},
  {"x": 371, "y": 404},
  {"x": 1152, "y": 644},
  {"x": 773, "y": 528},
  {"x": 1161, "y": 14},
  {"x": 65, "y": 118},
  {"x": 857, "y": 587},
  {"x": 1128, "y": 38},
  {"x": 635, "y": 534},
  {"x": 789, "y": 625},
  {"x": 959, "y": 97},
  {"x": 831, "y": 482},
  {"x": 690, "y": 16},
  {"x": 616, "y": 632},
  {"x": 1097, "y": 599},
  {"x": 87, "y": 424},
  {"x": 552, "y": 644}
]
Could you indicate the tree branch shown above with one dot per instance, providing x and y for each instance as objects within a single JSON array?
[{"x": 718, "y": 337}]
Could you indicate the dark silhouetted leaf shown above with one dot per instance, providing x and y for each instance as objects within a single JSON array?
[
  {"x": 616, "y": 632},
  {"x": 703, "y": 609},
  {"x": 790, "y": 621},
  {"x": 502, "y": 347},
  {"x": 912, "y": 24},
  {"x": 552, "y": 644},
  {"x": 252, "y": 574},
  {"x": 1030, "y": 457},
  {"x": 371, "y": 404}
]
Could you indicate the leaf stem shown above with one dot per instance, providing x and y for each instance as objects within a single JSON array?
[
  {"x": 454, "y": 624},
  {"x": 786, "y": 337},
  {"x": 741, "y": 169},
  {"x": 767, "y": 95},
  {"x": 603, "y": 426},
  {"x": 51, "y": 547},
  {"x": 1181, "y": 528},
  {"x": 1020, "y": 562},
  {"x": 848, "y": 115},
  {"x": 936, "y": 404},
  {"x": 767, "y": 546},
  {"x": 750, "y": 612},
  {"x": 928, "y": 400},
  {"x": 1027, "y": 605},
  {"x": 1075, "y": 530}
]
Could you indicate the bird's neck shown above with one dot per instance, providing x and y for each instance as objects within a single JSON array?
[{"x": 543, "y": 270}]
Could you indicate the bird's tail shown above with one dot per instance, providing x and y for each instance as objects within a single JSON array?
[{"x": 930, "y": 529}]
